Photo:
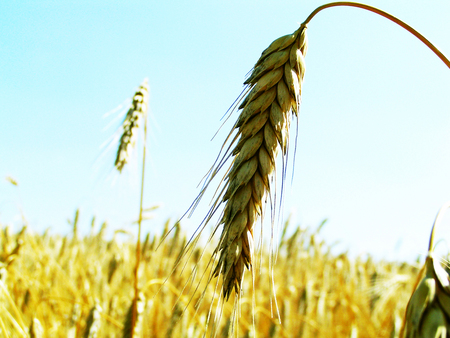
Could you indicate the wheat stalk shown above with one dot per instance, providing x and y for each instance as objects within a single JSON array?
[{"x": 130, "y": 125}]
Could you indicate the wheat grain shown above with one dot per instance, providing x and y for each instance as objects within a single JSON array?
[{"x": 130, "y": 125}]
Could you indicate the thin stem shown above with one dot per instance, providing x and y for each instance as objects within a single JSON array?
[
  {"x": 138, "y": 244},
  {"x": 387, "y": 16},
  {"x": 436, "y": 222}
]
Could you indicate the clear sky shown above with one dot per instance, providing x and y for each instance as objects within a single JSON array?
[{"x": 373, "y": 153}]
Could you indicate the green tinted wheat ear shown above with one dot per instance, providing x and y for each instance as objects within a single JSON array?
[
  {"x": 428, "y": 311},
  {"x": 130, "y": 125},
  {"x": 36, "y": 330},
  {"x": 273, "y": 95},
  {"x": 93, "y": 322},
  {"x": 132, "y": 328}
]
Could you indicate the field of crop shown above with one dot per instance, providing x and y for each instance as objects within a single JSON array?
[
  {"x": 52, "y": 285},
  {"x": 232, "y": 284}
]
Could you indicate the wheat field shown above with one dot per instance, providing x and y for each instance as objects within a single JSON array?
[
  {"x": 73, "y": 286},
  {"x": 172, "y": 285}
]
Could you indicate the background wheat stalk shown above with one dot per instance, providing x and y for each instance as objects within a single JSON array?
[{"x": 130, "y": 126}]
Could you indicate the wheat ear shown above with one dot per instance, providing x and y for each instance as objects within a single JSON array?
[
  {"x": 130, "y": 125},
  {"x": 36, "y": 330},
  {"x": 272, "y": 96},
  {"x": 93, "y": 322},
  {"x": 132, "y": 327},
  {"x": 428, "y": 309}
]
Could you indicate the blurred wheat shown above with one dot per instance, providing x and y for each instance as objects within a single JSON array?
[
  {"x": 56, "y": 282},
  {"x": 130, "y": 125}
]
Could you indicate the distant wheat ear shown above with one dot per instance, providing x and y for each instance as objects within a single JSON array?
[
  {"x": 36, "y": 330},
  {"x": 130, "y": 125},
  {"x": 272, "y": 96},
  {"x": 428, "y": 310},
  {"x": 132, "y": 329},
  {"x": 93, "y": 322}
]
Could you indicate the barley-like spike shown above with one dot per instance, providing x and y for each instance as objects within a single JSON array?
[
  {"x": 130, "y": 125},
  {"x": 262, "y": 127}
]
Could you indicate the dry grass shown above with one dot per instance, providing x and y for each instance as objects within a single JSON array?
[{"x": 58, "y": 280}]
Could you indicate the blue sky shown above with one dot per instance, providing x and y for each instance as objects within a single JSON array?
[{"x": 373, "y": 150}]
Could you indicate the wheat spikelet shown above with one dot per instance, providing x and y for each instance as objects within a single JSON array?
[{"x": 130, "y": 125}]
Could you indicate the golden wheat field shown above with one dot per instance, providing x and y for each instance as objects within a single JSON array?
[
  {"x": 228, "y": 282},
  {"x": 51, "y": 284}
]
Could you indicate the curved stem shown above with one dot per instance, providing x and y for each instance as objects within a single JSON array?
[
  {"x": 387, "y": 16},
  {"x": 436, "y": 222}
]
